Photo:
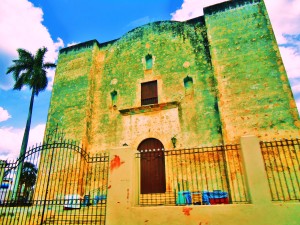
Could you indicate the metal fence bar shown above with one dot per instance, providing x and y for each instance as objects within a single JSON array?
[
  {"x": 282, "y": 165},
  {"x": 236, "y": 178},
  {"x": 294, "y": 156},
  {"x": 192, "y": 173},
  {"x": 67, "y": 170}
]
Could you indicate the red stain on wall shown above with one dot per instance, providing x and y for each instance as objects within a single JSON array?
[
  {"x": 115, "y": 163},
  {"x": 186, "y": 210}
]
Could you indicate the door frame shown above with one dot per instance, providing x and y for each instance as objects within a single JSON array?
[{"x": 152, "y": 165}]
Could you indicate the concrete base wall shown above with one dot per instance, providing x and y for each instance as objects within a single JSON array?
[
  {"x": 275, "y": 214},
  {"x": 122, "y": 207}
]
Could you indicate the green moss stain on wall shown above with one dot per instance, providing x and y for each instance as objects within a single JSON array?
[
  {"x": 70, "y": 93},
  {"x": 254, "y": 93},
  {"x": 239, "y": 85},
  {"x": 178, "y": 50}
]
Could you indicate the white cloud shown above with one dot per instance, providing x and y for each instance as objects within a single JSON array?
[
  {"x": 298, "y": 105},
  {"x": 4, "y": 115},
  {"x": 11, "y": 139},
  {"x": 284, "y": 16},
  {"x": 296, "y": 89},
  {"x": 21, "y": 27},
  {"x": 290, "y": 58},
  {"x": 50, "y": 75},
  {"x": 192, "y": 8},
  {"x": 212, "y": 2},
  {"x": 72, "y": 43},
  {"x": 189, "y": 9}
]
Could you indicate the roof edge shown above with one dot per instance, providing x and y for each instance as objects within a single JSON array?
[
  {"x": 86, "y": 44},
  {"x": 221, "y": 7}
]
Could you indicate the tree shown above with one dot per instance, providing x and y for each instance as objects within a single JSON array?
[
  {"x": 28, "y": 178},
  {"x": 29, "y": 70}
]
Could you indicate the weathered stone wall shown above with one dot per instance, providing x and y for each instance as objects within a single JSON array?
[
  {"x": 179, "y": 50},
  {"x": 253, "y": 89},
  {"x": 237, "y": 86},
  {"x": 86, "y": 75},
  {"x": 70, "y": 99},
  {"x": 237, "y": 69},
  {"x": 70, "y": 109}
]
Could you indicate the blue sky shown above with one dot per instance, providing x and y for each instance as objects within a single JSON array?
[{"x": 31, "y": 24}]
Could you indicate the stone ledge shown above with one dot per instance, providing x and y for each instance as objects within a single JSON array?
[{"x": 149, "y": 108}]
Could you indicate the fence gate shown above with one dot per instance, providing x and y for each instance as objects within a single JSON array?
[{"x": 60, "y": 183}]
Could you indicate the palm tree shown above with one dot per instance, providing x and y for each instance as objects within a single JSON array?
[
  {"x": 29, "y": 70},
  {"x": 28, "y": 178}
]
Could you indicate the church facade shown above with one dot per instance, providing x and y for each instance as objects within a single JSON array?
[
  {"x": 206, "y": 81},
  {"x": 168, "y": 87}
]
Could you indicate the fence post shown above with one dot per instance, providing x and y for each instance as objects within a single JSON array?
[
  {"x": 2, "y": 169},
  {"x": 120, "y": 185},
  {"x": 255, "y": 173}
]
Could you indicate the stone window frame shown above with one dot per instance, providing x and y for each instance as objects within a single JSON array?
[{"x": 149, "y": 92}]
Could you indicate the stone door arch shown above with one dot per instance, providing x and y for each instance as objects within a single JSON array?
[{"x": 152, "y": 170}]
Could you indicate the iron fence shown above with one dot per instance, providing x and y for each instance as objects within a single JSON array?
[
  {"x": 281, "y": 159},
  {"x": 206, "y": 175},
  {"x": 72, "y": 191},
  {"x": 60, "y": 183}
]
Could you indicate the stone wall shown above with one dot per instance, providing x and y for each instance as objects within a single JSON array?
[
  {"x": 253, "y": 90},
  {"x": 238, "y": 84},
  {"x": 86, "y": 77},
  {"x": 71, "y": 98},
  {"x": 122, "y": 198},
  {"x": 219, "y": 77}
]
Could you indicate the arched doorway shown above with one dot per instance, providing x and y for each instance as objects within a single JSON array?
[{"x": 153, "y": 178}]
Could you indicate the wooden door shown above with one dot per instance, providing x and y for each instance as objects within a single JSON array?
[{"x": 153, "y": 178}]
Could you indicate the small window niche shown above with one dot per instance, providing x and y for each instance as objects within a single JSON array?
[
  {"x": 188, "y": 84},
  {"x": 149, "y": 62},
  {"x": 114, "y": 98}
]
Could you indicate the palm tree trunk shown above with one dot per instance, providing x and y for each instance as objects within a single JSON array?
[{"x": 23, "y": 147}]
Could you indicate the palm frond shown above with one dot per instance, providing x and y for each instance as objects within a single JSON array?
[
  {"x": 11, "y": 69},
  {"x": 39, "y": 57},
  {"x": 24, "y": 54},
  {"x": 25, "y": 57},
  {"x": 41, "y": 82},
  {"x": 19, "y": 83},
  {"x": 49, "y": 65},
  {"x": 21, "y": 65},
  {"x": 30, "y": 70}
]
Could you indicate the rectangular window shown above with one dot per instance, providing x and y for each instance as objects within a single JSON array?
[{"x": 149, "y": 93}]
